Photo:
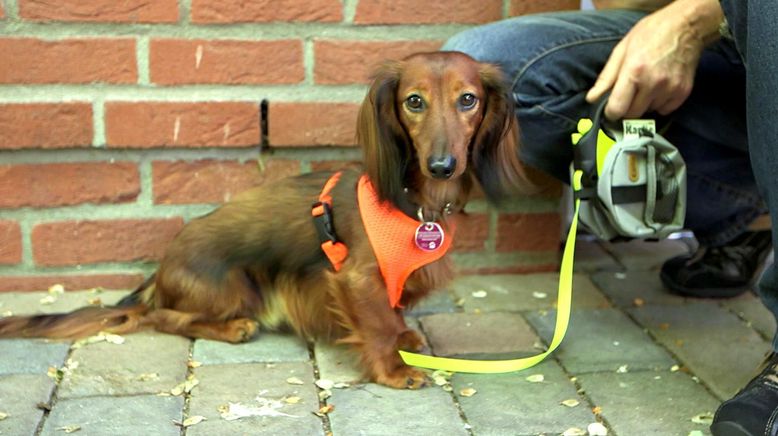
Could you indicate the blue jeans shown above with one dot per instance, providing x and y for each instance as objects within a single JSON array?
[
  {"x": 753, "y": 26},
  {"x": 553, "y": 59}
]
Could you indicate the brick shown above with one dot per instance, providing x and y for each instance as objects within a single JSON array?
[
  {"x": 2, "y": 11},
  {"x": 70, "y": 282},
  {"x": 218, "y": 124},
  {"x": 117, "y": 415},
  {"x": 179, "y": 61},
  {"x": 45, "y": 125},
  {"x": 528, "y": 232},
  {"x": 312, "y": 124},
  {"x": 10, "y": 242},
  {"x": 266, "y": 348},
  {"x": 517, "y": 292},
  {"x": 250, "y": 384},
  {"x": 31, "y": 356},
  {"x": 525, "y": 7},
  {"x": 65, "y": 184},
  {"x": 336, "y": 165},
  {"x": 340, "y": 62},
  {"x": 19, "y": 397},
  {"x": 211, "y": 181},
  {"x": 125, "y": 11},
  {"x": 508, "y": 404},
  {"x": 82, "y": 242},
  {"x": 264, "y": 11},
  {"x": 87, "y": 60},
  {"x": 433, "y": 412},
  {"x": 141, "y": 353},
  {"x": 472, "y": 232},
  {"x": 427, "y": 12}
]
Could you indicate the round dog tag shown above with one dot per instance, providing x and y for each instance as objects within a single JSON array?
[{"x": 429, "y": 236}]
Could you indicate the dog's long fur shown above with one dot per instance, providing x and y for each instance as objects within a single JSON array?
[{"x": 256, "y": 260}]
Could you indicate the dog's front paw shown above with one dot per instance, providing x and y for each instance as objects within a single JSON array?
[
  {"x": 411, "y": 340},
  {"x": 242, "y": 330},
  {"x": 404, "y": 377}
]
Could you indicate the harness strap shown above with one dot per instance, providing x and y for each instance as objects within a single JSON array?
[{"x": 321, "y": 211}]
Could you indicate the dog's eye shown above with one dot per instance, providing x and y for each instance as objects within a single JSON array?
[
  {"x": 414, "y": 103},
  {"x": 467, "y": 101}
]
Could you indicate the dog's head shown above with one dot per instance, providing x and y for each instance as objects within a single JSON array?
[{"x": 433, "y": 121}]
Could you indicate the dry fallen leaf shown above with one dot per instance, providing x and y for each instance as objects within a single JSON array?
[
  {"x": 3, "y": 416},
  {"x": 674, "y": 368},
  {"x": 55, "y": 374},
  {"x": 597, "y": 410},
  {"x": 294, "y": 381},
  {"x": 695, "y": 433},
  {"x": 479, "y": 294},
  {"x": 570, "y": 403},
  {"x": 49, "y": 299},
  {"x": 325, "y": 410},
  {"x": 597, "y": 429},
  {"x": 539, "y": 295},
  {"x": 324, "y": 394},
  {"x": 266, "y": 407},
  {"x": 574, "y": 431},
  {"x": 70, "y": 428},
  {"x": 7, "y": 313},
  {"x": 638, "y": 302},
  {"x": 194, "y": 364},
  {"x": 460, "y": 302},
  {"x": 664, "y": 326},
  {"x": 341, "y": 385},
  {"x": 185, "y": 387},
  {"x": 467, "y": 392},
  {"x": 536, "y": 378},
  {"x": 292, "y": 400},
  {"x": 703, "y": 418},
  {"x": 325, "y": 384},
  {"x": 56, "y": 289},
  {"x": 147, "y": 376},
  {"x": 193, "y": 420},
  {"x": 623, "y": 369},
  {"x": 95, "y": 301}
]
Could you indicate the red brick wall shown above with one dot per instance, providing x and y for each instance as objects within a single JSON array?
[{"x": 121, "y": 120}]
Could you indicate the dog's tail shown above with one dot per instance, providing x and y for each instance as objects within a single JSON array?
[{"x": 126, "y": 316}]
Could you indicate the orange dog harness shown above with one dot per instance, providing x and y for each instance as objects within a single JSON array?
[{"x": 391, "y": 234}]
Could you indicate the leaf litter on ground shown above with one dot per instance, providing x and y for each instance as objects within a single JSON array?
[{"x": 264, "y": 407}]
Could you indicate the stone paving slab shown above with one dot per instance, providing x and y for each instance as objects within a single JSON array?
[
  {"x": 714, "y": 343},
  {"x": 116, "y": 416},
  {"x": 19, "y": 396},
  {"x": 267, "y": 347},
  {"x": 377, "y": 411},
  {"x": 31, "y": 356},
  {"x": 626, "y": 289},
  {"x": 337, "y": 363},
  {"x": 750, "y": 308},
  {"x": 591, "y": 257},
  {"x": 520, "y": 292},
  {"x": 508, "y": 404},
  {"x": 457, "y": 334},
  {"x": 602, "y": 340},
  {"x": 442, "y": 301},
  {"x": 243, "y": 383},
  {"x": 30, "y": 302},
  {"x": 146, "y": 363},
  {"x": 649, "y": 403},
  {"x": 647, "y": 255}
]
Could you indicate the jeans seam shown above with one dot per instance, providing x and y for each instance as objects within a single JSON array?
[
  {"x": 561, "y": 47},
  {"x": 753, "y": 200}
]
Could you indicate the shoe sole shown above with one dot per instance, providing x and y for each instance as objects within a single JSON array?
[
  {"x": 706, "y": 292},
  {"x": 729, "y": 429}
]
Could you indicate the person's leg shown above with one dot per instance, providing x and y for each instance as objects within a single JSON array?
[
  {"x": 553, "y": 59},
  {"x": 754, "y": 409}
]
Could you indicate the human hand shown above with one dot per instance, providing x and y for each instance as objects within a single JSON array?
[{"x": 653, "y": 67}]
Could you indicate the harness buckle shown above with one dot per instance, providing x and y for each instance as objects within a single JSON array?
[{"x": 322, "y": 219}]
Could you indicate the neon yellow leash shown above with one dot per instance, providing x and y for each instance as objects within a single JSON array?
[{"x": 564, "y": 303}]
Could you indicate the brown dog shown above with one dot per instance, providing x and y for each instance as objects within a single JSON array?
[{"x": 430, "y": 126}]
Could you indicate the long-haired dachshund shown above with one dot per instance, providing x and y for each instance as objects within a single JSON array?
[{"x": 431, "y": 126}]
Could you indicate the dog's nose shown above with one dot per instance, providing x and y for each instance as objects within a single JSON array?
[{"x": 442, "y": 167}]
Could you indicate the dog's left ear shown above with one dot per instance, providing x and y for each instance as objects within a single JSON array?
[
  {"x": 495, "y": 152},
  {"x": 385, "y": 145}
]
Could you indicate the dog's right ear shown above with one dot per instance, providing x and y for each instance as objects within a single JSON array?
[{"x": 385, "y": 145}]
